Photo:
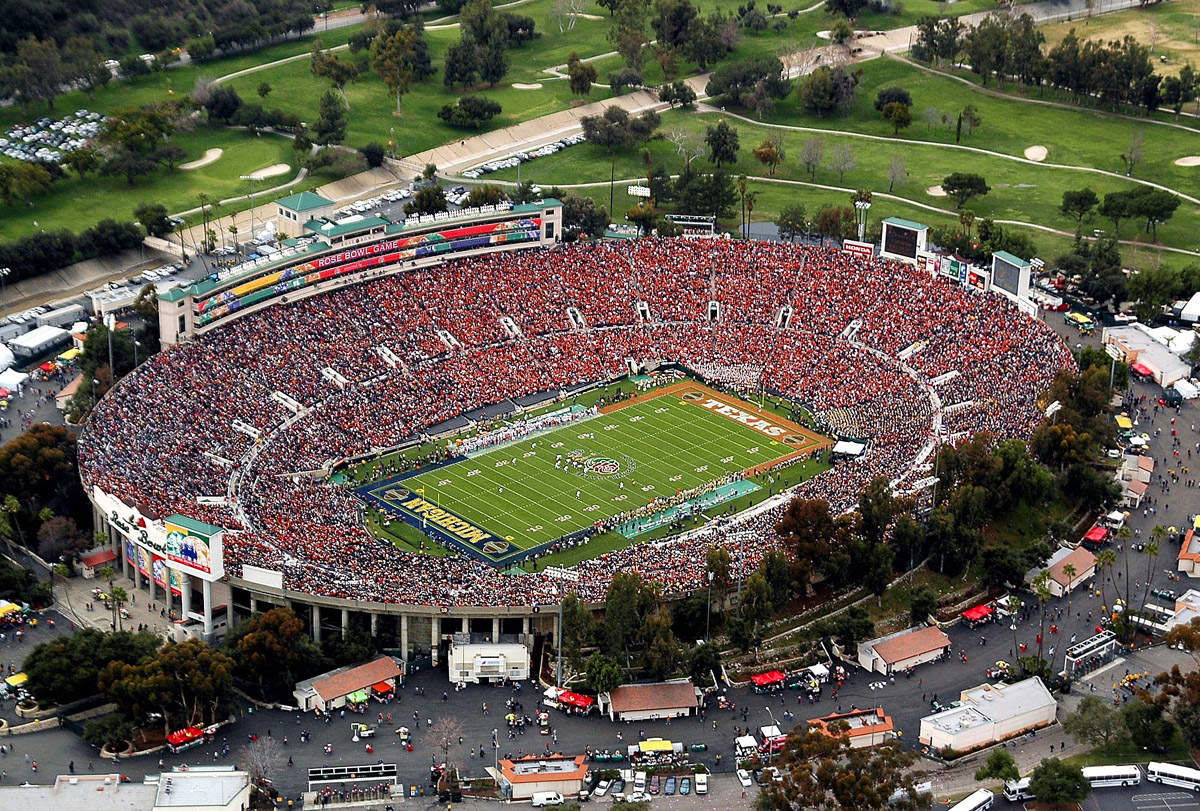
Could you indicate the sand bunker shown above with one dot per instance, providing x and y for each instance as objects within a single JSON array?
[
  {"x": 271, "y": 171},
  {"x": 826, "y": 34},
  {"x": 534, "y": 86},
  {"x": 1036, "y": 153},
  {"x": 1190, "y": 160},
  {"x": 211, "y": 156},
  {"x": 589, "y": 16},
  {"x": 935, "y": 191}
]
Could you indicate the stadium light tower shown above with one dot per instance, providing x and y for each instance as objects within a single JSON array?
[
  {"x": 251, "y": 179},
  {"x": 861, "y": 207}
]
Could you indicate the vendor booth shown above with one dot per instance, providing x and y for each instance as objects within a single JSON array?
[
  {"x": 765, "y": 682},
  {"x": 974, "y": 617}
]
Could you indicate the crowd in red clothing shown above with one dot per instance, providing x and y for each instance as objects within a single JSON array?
[{"x": 862, "y": 343}]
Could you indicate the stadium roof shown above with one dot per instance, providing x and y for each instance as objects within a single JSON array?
[
  {"x": 304, "y": 201},
  {"x": 906, "y": 223},
  {"x": 1012, "y": 260},
  {"x": 336, "y": 229}
]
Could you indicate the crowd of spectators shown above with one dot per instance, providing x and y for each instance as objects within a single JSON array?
[{"x": 199, "y": 416}]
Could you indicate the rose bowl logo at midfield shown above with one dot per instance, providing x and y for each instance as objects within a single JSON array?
[
  {"x": 495, "y": 547},
  {"x": 601, "y": 465}
]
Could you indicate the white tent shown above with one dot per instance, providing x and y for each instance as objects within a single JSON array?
[
  {"x": 845, "y": 448},
  {"x": 12, "y": 380},
  {"x": 1191, "y": 310},
  {"x": 6, "y": 357},
  {"x": 1187, "y": 389}
]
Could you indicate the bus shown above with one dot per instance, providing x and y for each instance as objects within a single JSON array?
[
  {"x": 979, "y": 801},
  {"x": 1173, "y": 775},
  {"x": 1017, "y": 790},
  {"x": 1103, "y": 776},
  {"x": 1081, "y": 322}
]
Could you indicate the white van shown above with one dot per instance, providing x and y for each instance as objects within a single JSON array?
[
  {"x": 701, "y": 783},
  {"x": 541, "y": 799}
]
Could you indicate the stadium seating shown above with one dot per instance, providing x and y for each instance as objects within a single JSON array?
[{"x": 158, "y": 440}]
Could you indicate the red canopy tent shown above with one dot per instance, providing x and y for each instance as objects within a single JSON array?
[
  {"x": 1097, "y": 535},
  {"x": 383, "y": 688},
  {"x": 767, "y": 679},
  {"x": 186, "y": 738},
  {"x": 47, "y": 367},
  {"x": 978, "y": 613},
  {"x": 1142, "y": 369},
  {"x": 575, "y": 700}
]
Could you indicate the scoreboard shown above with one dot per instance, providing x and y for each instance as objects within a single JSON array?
[{"x": 903, "y": 239}]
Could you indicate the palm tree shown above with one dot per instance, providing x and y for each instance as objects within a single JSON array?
[
  {"x": 1041, "y": 590},
  {"x": 108, "y": 573},
  {"x": 1105, "y": 561},
  {"x": 1013, "y": 604},
  {"x": 11, "y": 507},
  {"x": 1069, "y": 571},
  {"x": 118, "y": 598},
  {"x": 1157, "y": 535}
]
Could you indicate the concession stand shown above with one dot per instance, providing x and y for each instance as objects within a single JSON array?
[
  {"x": 974, "y": 617},
  {"x": 183, "y": 739},
  {"x": 768, "y": 682}
]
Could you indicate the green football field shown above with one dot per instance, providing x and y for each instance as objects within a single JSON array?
[{"x": 503, "y": 501}]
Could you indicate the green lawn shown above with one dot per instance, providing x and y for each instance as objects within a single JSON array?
[
  {"x": 525, "y": 498},
  {"x": 76, "y": 204}
]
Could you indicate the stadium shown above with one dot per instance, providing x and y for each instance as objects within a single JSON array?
[{"x": 438, "y": 441}]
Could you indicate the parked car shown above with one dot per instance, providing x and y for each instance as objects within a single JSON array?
[
  {"x": 702, "y": 784},
  {"x": 655, "y": 784},
  {"x": 669, "y": 786},
  {"x": 685, "y": 786},
  {"x": 743, "y": 777},
  {"x": 603, "y": 788}
]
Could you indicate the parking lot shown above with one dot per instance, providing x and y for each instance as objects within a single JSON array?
[{"x": 48, "y": 140}]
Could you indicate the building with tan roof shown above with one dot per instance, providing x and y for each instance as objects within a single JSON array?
[
  {"x": 649, "y": 702},
  {"x": 348, "y": 685},
  {"x": 521, "y": 778},
  {"x": 900, "y": 651},
  {"x": 1060, "y": 583},
  {"x": 1189, "y": 554}
]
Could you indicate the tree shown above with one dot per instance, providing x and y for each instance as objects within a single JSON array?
[
  {"x": 445, "y": 735},
  {"x": 154, "y": 218},
  {"x": 488, "y": 194},
  {"x": 1000, "y": 765},
  {"x": 264, "y": 89},
  {"x": 892, "y": 94},
  {"x": 876, "y": 508},
  {"x": 577, "y": 628},
  {"x": 1096, "y": 722},
  {"x": 429, "y": 200},
  {"x": 841, "y": 31},
  {"x": 722, "y": 141},
  {"x": 827, "y": 90},
  {"x": 374, "y": 153},
  {"x": 129, "y": 164},
  {"x": 1078, "y": 205},
  {"x": 791, "y": 222},
  {"x": 922, "y": 605},
  {"x": 581, "y": 215},
  {"x": 963, "y": 187},
  {"x": 643, "y": 215},
  {"x": 330, "y": 127},
  {"x": 1155, "y": 205},
  {"x": 626, "y": 607},
  {"x": 970, "y": 116},
  {"x": 879, "y": 571},
  {"x": 770, "y": 153},
  {"x": 679, "y": 93},
  {"x": 604, "y": 672},
  {"x": 273, "y": 651},
  {"x": 392, "y": 60},
  {"x": 705, "y": 662},
  {"x": 65, "y": 668},
  {"x": 493, "y": 62},
  {"x": 743, "y": 81},
  {"x": 822, "y": 771},
  {"x": 897, "y": 171},
  {"x": 1058, "y": 783},
  {"x": 1117, "y": 207},
  {"x": 470, "y": 112},
  {"x": 82, "y": 161},
  {"x": 59, "y": 539},
  {"x": 754, "y": 609},
  {"x": 1148, "y": 727},
  {"x": 581, "y": 75},
  {"x": 847, "y": 8},
  {"x": 662, "y": 648},
  {"x": 261, "y": 759},
  {"x": 623, "y": 79},
  {"x": 462, "y": 63},
  {"x": 898, "y": 115},
  {"x": 628, "y": 33},
  {"x": 841, "y": 160},
  {"x": 812, "y": 152},
  {"x": 1132, "y": 155}
]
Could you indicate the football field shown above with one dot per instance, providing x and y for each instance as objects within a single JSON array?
[{"x": 503, "y": 502}]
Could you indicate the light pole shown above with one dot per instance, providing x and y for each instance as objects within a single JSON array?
[
  {"x": 251, "y": 179},
  {"x": 4, "y": 273},
  {"x": 110, "y": 323},
  {"x": 136, "y": 344},
  {"x": 861, "y": 207},
  {"x": 708, "y": 612}
]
